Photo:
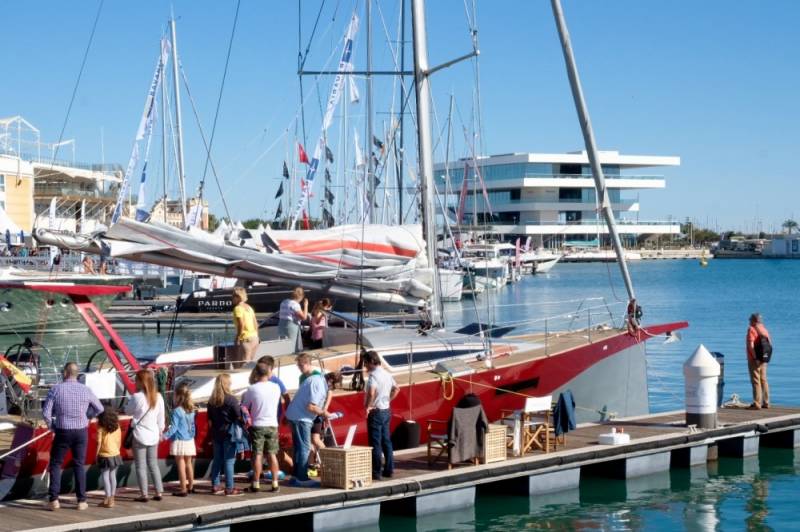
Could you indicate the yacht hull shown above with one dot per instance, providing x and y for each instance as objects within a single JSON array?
[{"x": 607, "y": 377}]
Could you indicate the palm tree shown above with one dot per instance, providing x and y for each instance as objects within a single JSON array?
[{"x": 790, "y": 226}]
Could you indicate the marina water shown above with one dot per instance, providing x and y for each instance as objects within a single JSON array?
[{"x": 756, "y": 493}]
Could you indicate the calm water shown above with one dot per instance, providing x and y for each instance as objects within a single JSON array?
[{"x": 759, "y": 493}]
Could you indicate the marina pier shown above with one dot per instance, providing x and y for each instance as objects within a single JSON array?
[{"x": 659, "y": 442}]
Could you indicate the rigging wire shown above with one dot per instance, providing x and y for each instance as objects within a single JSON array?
[
  {"x": 205, "y": 142},
  {"x": 77, "y": 83},
  {"x": 219, "y": 98}
]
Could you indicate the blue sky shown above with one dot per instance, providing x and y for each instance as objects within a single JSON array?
[{"x": 714, "y": 82}]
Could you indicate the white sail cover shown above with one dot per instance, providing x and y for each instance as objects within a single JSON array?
[{"x": 387, "y": 262}]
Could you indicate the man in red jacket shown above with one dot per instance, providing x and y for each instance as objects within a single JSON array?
[{"x": 757, "y": 368}]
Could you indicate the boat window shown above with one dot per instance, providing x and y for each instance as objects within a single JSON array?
[
  {"x": 50, "y": 303},
  {"x": 401, "y": 359}
]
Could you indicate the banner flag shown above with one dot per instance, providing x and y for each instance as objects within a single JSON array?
[
  {"x": 345, "y": 66},
  {"x": 301, "y": 154},
  {"x": 285, "y": 170},
  {"x": 279, "y": 211},
  {"x": 328, "y": 154},
  {"x": 280, "y": 191},
  {"x": 145, "y": 125}
]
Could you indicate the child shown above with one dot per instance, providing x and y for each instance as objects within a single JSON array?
[
  {"x": 319, "y": 322},
  {"x": 181, "y": 432},
  {"x": 109, "y": 438}
]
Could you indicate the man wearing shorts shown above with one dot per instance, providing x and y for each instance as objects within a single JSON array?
[{"x": 262, "y": 399}]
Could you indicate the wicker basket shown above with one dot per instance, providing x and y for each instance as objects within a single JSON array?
[
  {"x": 346, "y": 468},
  {"x": 494, "y": 449}
]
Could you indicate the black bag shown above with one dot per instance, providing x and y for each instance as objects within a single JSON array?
[
  {"x": 762, "y": 348},
  {"x": 127, "y": 442}
]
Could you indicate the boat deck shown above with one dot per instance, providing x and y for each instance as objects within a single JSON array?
[{"x": 652, "y": 434}]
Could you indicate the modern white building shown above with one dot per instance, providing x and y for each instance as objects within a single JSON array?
[{"x": 551, "y": 197}]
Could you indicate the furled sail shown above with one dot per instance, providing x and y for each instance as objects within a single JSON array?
[{"x": 387, "y": 263}]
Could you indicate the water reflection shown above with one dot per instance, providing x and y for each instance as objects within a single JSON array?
[{"x": 757, "y": 493}]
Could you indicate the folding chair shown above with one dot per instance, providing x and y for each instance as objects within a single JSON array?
[{"x": 534, "y": 423}]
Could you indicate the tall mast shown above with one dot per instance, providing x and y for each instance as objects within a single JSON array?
[
  {"x": 591, "y": 147},
  {"x": 176, "y": 86},
  {"x": 423, "y": 94},
  {"x": 402, "y": 154},
  {"x": 370, "y": 166},
  {"x": 164, "y": 136}
]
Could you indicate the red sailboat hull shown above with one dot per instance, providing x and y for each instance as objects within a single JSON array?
[{"x": 500, "y": 388}]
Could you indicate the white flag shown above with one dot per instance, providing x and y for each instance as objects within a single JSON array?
[
  {"x": 354, "y": 96},
  {"x": 359, "y": 155}
]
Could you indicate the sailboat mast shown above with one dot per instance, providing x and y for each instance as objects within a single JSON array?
[
  {"x": 370, "y": 165},
  {"x": 402, "y": 154},
  {"x": 164, "y": 136},
  {"x": 591, "y": 147},
  {"x": 176, "y": 86},
  {"x": 423, "y": 94}
]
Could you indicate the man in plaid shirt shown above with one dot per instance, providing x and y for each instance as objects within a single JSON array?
[{"x": 67, "y": 410}]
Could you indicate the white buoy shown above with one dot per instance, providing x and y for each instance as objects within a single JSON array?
[{"x": 701, "y": 373}]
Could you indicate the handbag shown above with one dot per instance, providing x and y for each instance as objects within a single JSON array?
[{"x": 127, "y": 442}]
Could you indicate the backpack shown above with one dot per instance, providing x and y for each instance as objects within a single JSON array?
[{"x": 762, "y": 348}]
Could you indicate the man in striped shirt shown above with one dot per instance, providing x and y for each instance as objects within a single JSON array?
[{"x": 67, "y": 410}]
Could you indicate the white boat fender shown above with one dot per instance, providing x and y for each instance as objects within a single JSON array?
[{"x": 701, "y": 374}]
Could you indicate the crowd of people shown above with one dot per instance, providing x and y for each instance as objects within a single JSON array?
[
  {"x": 293, "y": 314},
  {"x": 235, "y": 426}
]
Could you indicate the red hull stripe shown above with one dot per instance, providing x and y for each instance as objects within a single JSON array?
[
  {"x": 316, "y": 246},
  {"x": 72, "y": 289},
  {"x": 425, "y": 403}
]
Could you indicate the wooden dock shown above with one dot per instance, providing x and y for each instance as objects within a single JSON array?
[{"x": 658, "y": 442}]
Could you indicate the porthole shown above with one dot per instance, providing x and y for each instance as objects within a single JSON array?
[
  {"x": 64, "y": 302},
  {"x": 50, "y": 303},
  {"x": 5, "y": 307}
]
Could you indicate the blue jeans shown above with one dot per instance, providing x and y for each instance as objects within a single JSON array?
[
  {"x": 68, "y": 440},
  {"x": 380, "y": 438},
  {"x": 301, "y": 441},
  {"x": 224, "y": 456}
]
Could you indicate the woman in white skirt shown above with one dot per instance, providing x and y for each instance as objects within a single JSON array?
[{"x": 181, "y": 434}]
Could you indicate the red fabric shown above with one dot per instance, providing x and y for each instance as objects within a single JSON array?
[
  {"x": 301, "y": 153},
  {"x": 306, "y": 224}
]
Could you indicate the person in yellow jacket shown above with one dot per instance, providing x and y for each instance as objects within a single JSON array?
[{"x": 246, "y": 325}]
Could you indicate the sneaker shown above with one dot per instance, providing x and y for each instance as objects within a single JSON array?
[
  {"x": 54, "y": 505},
  {"x": 233, "y": 492},
  {"x": 276, "y": 488},
  {"x": 387, "y": 474},
  {"x": 254, "y": 489},
  {"x": 180, "y": 493},
  {"x": 217, "y": 490},
  {"x": 157, "y": 497},
  {"x": 376, "y": 477},
  {"x": 83, "y": 505}
]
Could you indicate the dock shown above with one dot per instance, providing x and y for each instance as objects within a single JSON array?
[{"x": 658, "y": 443}]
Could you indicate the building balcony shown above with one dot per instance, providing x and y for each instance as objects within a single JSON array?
[
  {"x": 73, "y": 192},
  {"x": 584, "y": 227},
  {"x": 628, "y": 181},
  {"x": 560, "y": 205}
]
